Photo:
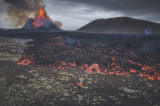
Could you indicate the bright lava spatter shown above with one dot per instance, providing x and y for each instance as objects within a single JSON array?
[{"x": 41, "y": 18}]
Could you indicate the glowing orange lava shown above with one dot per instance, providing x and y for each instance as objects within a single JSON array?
[
  {"x": 41, "y": 18},
  {"x": 122, "y": 65},
  {"x": 42, "y": 13},
  {"x": 25, "y": 62}
]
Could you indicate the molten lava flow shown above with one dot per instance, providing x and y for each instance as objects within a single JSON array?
[
  {"x": 57, "y": 53},
  {"x": 41, "y": 18},
  {"x": 25, "y": 62},
  {"x": 94, "y": 68}
]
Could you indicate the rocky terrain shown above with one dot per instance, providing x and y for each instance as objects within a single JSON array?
[
  {"x": 37, "y": 83},
  {"x": 107, "y": 54},
  {"x": 121, "y": 25}
]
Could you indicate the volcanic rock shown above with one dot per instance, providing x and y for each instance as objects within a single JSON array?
[
  {"x": 34, "y": 85},
  {"x": 29, "y": 24},
  {"x": 1, "y": 28},
  {"x": 121, "y": 25},
  {"x": 50, "y": 26}
]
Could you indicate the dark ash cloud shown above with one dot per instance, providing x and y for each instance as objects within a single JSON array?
[
  {"x": 133, "y": 8},
  {"x": 18, "y": 11}
]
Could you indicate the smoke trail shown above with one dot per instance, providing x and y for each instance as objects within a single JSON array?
[{"x": 19, "y": 11}]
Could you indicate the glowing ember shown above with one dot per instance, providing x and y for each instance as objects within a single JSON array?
[
  {"x": 94, "y": 68},
  {"x": 41, "y": 18},
  {"x": 133, "y": 71},
  {"x": 25, "y": 62}
]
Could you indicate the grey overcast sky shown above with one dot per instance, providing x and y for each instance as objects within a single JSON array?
[{"x": 76, "y": 13}]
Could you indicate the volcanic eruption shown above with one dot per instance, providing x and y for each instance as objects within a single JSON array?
[
  {"x": 19, "y": 11},
  {"x": 41, "y": 18}
]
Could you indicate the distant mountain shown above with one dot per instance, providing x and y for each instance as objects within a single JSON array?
[
  {"x": 121, "y": 25},
  {"x": 4, "y": 28}
]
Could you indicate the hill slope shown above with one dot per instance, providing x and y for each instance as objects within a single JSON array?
[{"x": 121, "y": 25}]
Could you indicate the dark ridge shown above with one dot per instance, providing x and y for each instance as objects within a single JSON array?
[{"x": 121, "y": 25}]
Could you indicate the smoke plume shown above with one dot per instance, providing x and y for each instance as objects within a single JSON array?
[
  {"x": 19, "y": 11},
  {"x": 58, "y": 23}
]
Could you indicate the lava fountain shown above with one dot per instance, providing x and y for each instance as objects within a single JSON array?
[{"x": 41, "y": 18}]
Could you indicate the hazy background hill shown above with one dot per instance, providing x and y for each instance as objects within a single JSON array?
[{"x": 121, "y": 25}]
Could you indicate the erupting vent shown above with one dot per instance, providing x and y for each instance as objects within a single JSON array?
[
  {"x": 41, "y": 18},
  {"x": 43, "y": 21}
]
